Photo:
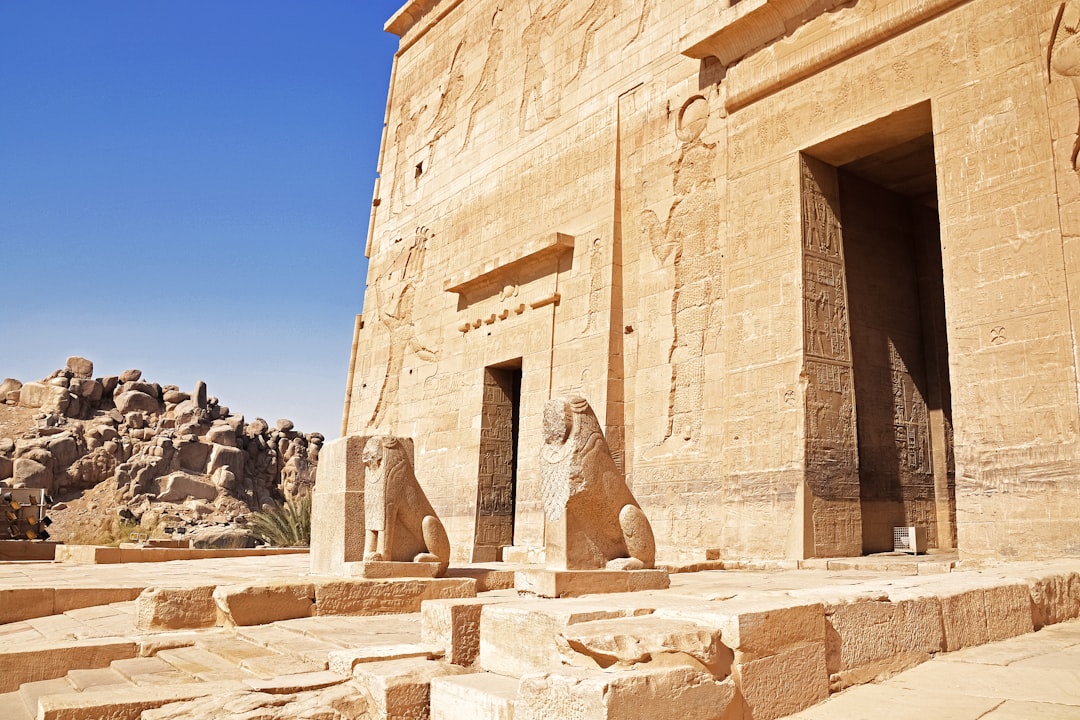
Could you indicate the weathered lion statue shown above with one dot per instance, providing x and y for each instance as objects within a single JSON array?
[
  {"x": 400, "y": 524},
  {"x": 593, "y": 519}
]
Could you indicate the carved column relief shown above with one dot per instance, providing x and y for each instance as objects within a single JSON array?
[
  {"x": 495, "y": 486},
  {"x": 832, "y": 474}
]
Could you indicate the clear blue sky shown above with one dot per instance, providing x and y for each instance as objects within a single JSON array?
[{"x": 185, "y": 188}]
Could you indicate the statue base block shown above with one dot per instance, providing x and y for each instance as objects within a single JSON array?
[
  {"x": 385, "y": 569},
  {"x": 573, "y": 583}
]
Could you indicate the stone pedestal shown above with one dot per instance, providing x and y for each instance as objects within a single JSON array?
[
  {"x": 337, "y": 506},
  {"x": 572, "y": 583},
  {"x": 384, "y": 569}
]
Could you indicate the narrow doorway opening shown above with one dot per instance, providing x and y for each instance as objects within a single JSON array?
[
  {"x": 497, "y": 479},
  {"x": 900, "y": 357},
  {"x": 880, "y": 431}
]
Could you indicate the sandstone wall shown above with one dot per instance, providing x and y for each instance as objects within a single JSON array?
[{"x": 640, "y": 202}]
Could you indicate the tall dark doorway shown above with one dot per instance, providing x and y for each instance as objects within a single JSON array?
[
  {"x": 879, "y": 418},
  {"x": 497, "y": 481},
  {"x": 892, "y": 258}
]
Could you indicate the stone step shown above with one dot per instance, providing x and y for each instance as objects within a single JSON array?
[
  {"x": 30, "y": 692},
  {"x": 149, "y": 671},
  {"x": 127, "y": 704},
  {"x": 401, "y": 688},
  {"x": 97, "y": 679},
  {"x": 482, "y": 696},
  {"x": 12, "y": 707},
  {"x": 201, "y": 664}
]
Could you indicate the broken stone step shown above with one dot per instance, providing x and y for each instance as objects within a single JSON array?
[
  {"x": 128, "y": 704},
  {"x": 31, "y": 692},
  {"x": 295, "y": 683},
  {"x": 233, "y": 649},
  {"x": 12, "y": 707},
  {"x": 481, "y": 696},
  {"x": 343, "y": 661},
  {"x": 270, "y": 666}
]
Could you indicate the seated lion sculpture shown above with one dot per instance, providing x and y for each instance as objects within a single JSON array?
[
  {"x": 400, "y": 524},
  {"x": 593, "y": 519}
]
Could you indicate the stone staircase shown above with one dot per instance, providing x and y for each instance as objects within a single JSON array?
[{"x": 285, "y": 658}]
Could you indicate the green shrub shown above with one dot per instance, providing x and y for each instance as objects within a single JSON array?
[{"x": 287, "y": 525}]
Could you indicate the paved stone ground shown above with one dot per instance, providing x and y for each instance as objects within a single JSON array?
[{"x": 1031, "y": 677}]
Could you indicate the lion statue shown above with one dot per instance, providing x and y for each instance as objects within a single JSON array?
[
  {"x": 400, "y": 524},
  {"x": 593, "y": 519}
]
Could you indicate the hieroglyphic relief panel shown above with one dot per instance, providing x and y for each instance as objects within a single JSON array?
[{"x": 831, "y": 446}]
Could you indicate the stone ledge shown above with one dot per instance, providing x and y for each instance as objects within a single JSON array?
[
  {"x": 573, "y": 583},
  {"x": 386, "y": 569}
]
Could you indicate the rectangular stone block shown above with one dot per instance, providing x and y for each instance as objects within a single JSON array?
[
  {"x": 979, "y": 611},
  {"x": 774, "y": 686},
  {"x": 337, "y": 506},
  {"x": 1055, "y": 597},
  {"x": 386, "y": 569},
  {"x": 176, "y": 608},
  {"x": 392, "y": 595},
  {"x": 873, "y": 639},
  {"x": 25, "y": 603},
  {"x": 73, "y": 598},
  {"x": 401, "y": 689},
  {"x": 574, "y": 583},
  {"x": 261, "y": 604},
  {"x": 343, "y": 661},
  {"x": 482, "y": 696},
  {"x": 666, "y": 692},
  {"x": 454, "y": 625}
]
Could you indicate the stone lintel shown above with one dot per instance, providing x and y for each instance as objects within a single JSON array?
[
  {"x": 573, "y": 583},
  {"x": 388, "y": 569},
  {"x": 766, "y": 37},
  {"x": 500, "y": 269}
]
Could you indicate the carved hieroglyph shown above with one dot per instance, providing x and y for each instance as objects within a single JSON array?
[
  {"x": 495, "y": 486},
  {"x": 394, "y": 291},
  {"x": 400, "y": 524},
  {"x": 593, "y": 520},
  {"x": 687, "y": 237}
]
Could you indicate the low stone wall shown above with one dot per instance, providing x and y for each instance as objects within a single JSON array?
[{"x": 100, "y": 555}]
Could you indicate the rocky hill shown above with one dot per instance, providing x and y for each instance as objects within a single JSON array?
[{"x": 121, "y": 453}]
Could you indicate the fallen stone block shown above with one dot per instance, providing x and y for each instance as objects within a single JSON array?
[
  {"x": 481, "y": 696},
  {"x": 176, "y": 608},
  {"x": 401, "y": 689},
  {"x": 381, "y": 597},
  {"x": 639, "y": 641},
  {"x": 655, "y": 693},
  {"x": 261, "y": 604}
]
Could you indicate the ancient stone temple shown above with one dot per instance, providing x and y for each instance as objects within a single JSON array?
[{"x": 814, "y": 266}]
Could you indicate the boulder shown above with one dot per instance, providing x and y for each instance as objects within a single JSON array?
[
  {"x": 174, "y": 396},
  {"x": 221, "y": 435},
  {"x": 285, "y": 425},
  {"x": 8, "y": 386},
  {"x": 178, "y": 486},
  {"x": 27, "y": 472},
  {"x": 87, "y": 389},
  {"x": 134, "y": 400},
  {"x": 64, "y": 449},
  {"x": 226, "y": 457},
  {"x": 80, "y": 367},
  {"x": 130, "y": 375},
  {"x": 220, "y": 538},
  {"x": 6, "y": 467},
  {"x": 193, "y": 455},
  {"x": 199, "y": 396}
]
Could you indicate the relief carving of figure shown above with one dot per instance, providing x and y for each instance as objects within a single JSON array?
[
  {"x": 594, "y": 17},
  {"x": 396, "y": 314},
  {"x": 446, "y": 112},
  {"x": 399, "y": 522},
  {"x": 535, "y": 38},
  {"x": 1063, "y": 56},
  {"x": 593, "y": 520},
  {"x": 408, "y": 124},
  {"x": 688, "y": 237},
  {"x": 484, "y": 91}
]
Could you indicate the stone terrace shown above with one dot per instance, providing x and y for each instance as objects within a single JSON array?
[{"x": 763, "y": 643}]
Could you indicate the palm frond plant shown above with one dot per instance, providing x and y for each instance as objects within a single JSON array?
[{"x": 287, "y": 525}]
